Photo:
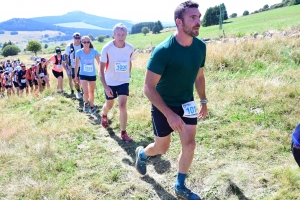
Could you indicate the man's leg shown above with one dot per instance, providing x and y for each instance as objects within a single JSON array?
[
  {"x": 106, "y": 108},
  {"x": 122, "y": 100},
  {"x": 185, "y": 159},
  {"x": 188, "y": 146}
]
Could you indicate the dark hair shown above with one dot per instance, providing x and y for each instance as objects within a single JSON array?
[
  {"x": 180, "y": 9},
  {"x": 87, "y": 37}
]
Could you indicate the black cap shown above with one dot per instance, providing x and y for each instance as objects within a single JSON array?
[{"x": 57, "y": 50}]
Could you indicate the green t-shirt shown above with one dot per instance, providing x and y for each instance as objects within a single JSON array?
[{"x": 178, "y": 67}]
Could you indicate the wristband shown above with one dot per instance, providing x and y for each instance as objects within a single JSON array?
[{"x": 203, "y": 100}]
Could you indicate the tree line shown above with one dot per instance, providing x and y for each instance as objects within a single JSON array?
[{"x": 155, "y": 27}]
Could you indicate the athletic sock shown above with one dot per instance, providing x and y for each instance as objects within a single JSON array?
[
  {"x": 180, "y": 180},
  {"x": 142, "y": 154}
]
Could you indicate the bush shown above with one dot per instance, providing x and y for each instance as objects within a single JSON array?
[
  {"x": 101, "y": 38},
  {"x": 233, "y": 15},
  {"x": 246, "y": 12},
  {"x": 145, "y": 30},
  {"x": 10, "y": 50}
]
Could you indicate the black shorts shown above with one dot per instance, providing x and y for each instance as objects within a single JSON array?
[
  {"x": 57, "y": 74},
  {"x": 8, "y": 86},
  {"x": 296, "y": 153},
  {"x": 16, "y": 84},
  {"x": 87, "y": 78},
  {"x": 22, "y": 86},
  {"x": 160, "y": 124},
  {"x": 32, "y": 81},
  {"x": 118, "y": 90}
]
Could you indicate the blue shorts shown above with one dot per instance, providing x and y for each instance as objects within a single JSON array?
[
  {"x": 68, "y": 74},
  {"x": 118, "y": 90},
  {"x": 160, "y": 123},
  {"x": 87, "y": 78}
]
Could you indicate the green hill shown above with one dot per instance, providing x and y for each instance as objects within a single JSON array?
[{"x": 79, "y": 16}]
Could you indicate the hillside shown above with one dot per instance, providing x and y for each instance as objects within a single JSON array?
[
  {"x": 22, "y": 24},
  {"x": 49, "y": 149},
  {"x": 79, "y": 16}
]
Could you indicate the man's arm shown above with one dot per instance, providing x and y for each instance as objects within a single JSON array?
[
  {"x": 107, "y": 89},
  {"x": 151, "y": 81},
  {"x": 200, "y": 87}
]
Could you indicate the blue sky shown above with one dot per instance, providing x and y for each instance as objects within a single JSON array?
[{"x": 133, "y": 10}]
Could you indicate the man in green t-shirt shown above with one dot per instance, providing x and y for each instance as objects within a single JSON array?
[{"x": 175, "y": 66}]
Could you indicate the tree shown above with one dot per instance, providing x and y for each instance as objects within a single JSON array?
[
  {"x": 33, "y": 46},
  {"x": 295, "y": 2},
  {"x": 6, "y": 44},
  {"x": 155, "y": 29},
  {"x": 45, "y": 46},
  {"x": 145, "y": 30},
  {"x": 91, "y": 37},
  {"x": 101, "y": 38},
  {"x": 160, "y": 25},
  {"x": 246, "y": 12},
  {"x": 10, "y": 50},
  {"x": 225, "y": 15},
  {"x": 233, "y": 15}
]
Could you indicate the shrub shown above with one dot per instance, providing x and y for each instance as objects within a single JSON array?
[{"x": 10, "y": 50}]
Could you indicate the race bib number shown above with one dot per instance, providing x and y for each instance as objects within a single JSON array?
[
  {"x": 121, "y": 66},
  {"x": 42, "y": 74},
  {"x": 23, "y": 80},
  {"x": 88, "y": 68},
  {"x": 190, "y": 110},
  {"x": 58, "y": 66}
]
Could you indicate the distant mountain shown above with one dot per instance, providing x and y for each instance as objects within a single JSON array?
[
  {"x": 79, "y": 16},
  {"x": 22, "y": 24}
]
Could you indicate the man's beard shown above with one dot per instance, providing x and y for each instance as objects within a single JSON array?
[{"x": 190, "y": 31}]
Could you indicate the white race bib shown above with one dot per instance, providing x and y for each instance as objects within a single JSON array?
[
  {"x": 121, "y": 66},
  {"x": 42, "y": 74},
  {"x": 88, "y": 68},
  {"x": 58, "y": 66},
  {"x": 23, "y": 80},
  {"x": 190, "y": 110}
]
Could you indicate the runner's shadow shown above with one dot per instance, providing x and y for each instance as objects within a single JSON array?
[
  {"x": 160, "y": 166},
  {"x": 160, "y": 191},
  {"x": 233, "y": 189}
]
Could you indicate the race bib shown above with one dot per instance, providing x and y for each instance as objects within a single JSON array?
[
  {"x": 42, "y": 74},
  {"x": 88, "y": 68},
  {"x": 58, "y": 66},
  {"x": 23, "y": 80},
  {"x": 121, "y": 66},
  {"x": 190, "y": 110}
]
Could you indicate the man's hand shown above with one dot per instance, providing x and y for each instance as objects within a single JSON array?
[
  {"x": 176, "y": 123},
  {"x": 203, "y": 111}
]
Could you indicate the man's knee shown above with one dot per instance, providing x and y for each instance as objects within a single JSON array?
[{"x": 189, "y": 146}]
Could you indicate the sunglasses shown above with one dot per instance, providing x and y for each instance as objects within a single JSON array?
[
  {"x": 86, "y": 42},
  {"x": 77, "y": 37},
  {"x": 23, "y": 66}
]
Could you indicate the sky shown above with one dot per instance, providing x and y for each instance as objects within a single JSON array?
[{"x": 132, "y": 10}]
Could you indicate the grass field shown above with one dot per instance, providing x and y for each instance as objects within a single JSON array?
[{"x": 49, "y": 149}]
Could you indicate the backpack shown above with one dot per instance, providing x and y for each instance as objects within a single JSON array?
[
  {"x": 72, "y": 49},
  {"x": 58, "y": 61}
]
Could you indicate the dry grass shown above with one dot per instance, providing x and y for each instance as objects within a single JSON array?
[{"x": 48, "y": 149}]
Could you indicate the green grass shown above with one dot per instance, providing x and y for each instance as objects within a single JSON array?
[{"x": 49, "y": 149}]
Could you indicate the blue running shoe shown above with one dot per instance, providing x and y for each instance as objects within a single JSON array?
[
  {"x": 185, "y": 193},
  {"x": 140, "y": 163},
  {"x": 93, "y": 111},
  {"x": 86, "y": 107}
]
